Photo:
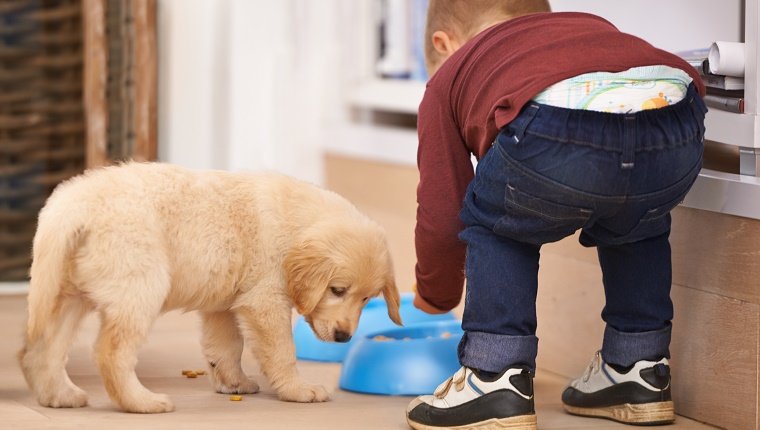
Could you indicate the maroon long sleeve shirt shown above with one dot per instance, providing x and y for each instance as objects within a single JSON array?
[{"x": 479, "y": 90}]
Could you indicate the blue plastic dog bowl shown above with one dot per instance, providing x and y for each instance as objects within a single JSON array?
[
  {"x": 374, "y": 318},
  {"x": 403, "y": 361}
]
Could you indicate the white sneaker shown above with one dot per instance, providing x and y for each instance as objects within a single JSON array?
[
  {"x": 468, "y": 401},
  {"x": 640, "y": 395}
]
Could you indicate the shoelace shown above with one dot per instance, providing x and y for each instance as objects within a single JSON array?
[
  {"x": 593, "y": 367},
  {"x": 457, "y": 380}
]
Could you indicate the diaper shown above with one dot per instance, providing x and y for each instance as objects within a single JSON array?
[{"x": 634, "y": 90}]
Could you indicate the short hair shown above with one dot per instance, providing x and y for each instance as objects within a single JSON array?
[{"x": 463, "y": 18}]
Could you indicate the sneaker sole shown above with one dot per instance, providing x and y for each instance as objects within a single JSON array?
[
  {"x": 522, "y": 422},
  {"x": 643, "y": 414}
]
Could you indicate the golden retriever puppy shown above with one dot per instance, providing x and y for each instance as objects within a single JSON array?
[{"x": 133, "y": 241}]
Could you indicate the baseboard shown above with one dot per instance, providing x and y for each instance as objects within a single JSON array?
[{"x": 13, "y": 288}]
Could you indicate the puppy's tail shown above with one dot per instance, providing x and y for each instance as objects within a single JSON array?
[{"x": 57, "y": 236}]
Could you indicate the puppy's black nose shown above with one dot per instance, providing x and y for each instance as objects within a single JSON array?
[{"x": 342, "y": 336}]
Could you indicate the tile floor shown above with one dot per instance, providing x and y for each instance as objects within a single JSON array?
[{"x": 173, "y": 345}]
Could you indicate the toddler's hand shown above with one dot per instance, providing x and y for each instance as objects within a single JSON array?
[{"x": 424, "y": 306}]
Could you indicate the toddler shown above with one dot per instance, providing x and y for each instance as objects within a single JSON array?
[{"x": 575, "y": 126}]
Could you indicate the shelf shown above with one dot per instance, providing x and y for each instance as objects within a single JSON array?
[
  {"x": 402, "y": 96},
  {"x": 725, "y": 193},
  {"x": 733, "y": 128},
  {"x": 713, "y": 191},
  {"x": 394, "y": 145},
  {"x": 393, "y": 95}
]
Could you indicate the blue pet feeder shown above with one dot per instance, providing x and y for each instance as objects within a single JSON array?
[
  {"x": 403, "y": 361},
  {"x": 374, "y": 318}
]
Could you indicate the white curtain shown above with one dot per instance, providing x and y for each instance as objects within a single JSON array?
[{"x": 253, "y": 84}]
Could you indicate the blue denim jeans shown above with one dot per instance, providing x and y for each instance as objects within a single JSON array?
[{"x": 551, "y": 172}]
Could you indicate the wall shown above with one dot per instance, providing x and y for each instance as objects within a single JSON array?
[
  {"x": 669, "y": 24},
  {"x": 188, "y": 36}
]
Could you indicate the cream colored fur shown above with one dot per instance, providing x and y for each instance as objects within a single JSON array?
[{"x": 133, "y": 241}]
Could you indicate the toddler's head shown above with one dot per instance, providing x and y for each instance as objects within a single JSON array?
[{"x": 451, "y": 23}]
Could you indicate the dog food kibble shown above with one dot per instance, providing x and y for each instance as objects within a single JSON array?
[
  {"x": 445, "y": 335},
  {"x": 193, "y": 373},
  {"x": 236, "y": 398},
  {"x": 381, "y": 338}
]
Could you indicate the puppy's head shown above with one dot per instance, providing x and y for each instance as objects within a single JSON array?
[{"x": 333, "y": 271}]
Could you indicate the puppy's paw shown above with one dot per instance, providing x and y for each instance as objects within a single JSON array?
[
  {"x": 304, "y": 393},
  {"x": 150, "y": 404},
  {"x": 245, "y": 386},
  {"x": 69, "y": 397}
]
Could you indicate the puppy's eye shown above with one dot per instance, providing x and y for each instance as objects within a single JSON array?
[
  {"x": 338, "y": 291},
  {"x": 365, "y": 299}
]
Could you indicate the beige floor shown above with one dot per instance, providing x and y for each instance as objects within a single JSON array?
[{"x": 173, "y": 345}]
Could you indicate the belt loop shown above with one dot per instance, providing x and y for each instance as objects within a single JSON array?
[
  {"x": 521, "y": 123},
  {"x": 629, "y": 142}
]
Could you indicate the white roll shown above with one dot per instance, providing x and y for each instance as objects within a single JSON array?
[{"x": 726, "y": 58}]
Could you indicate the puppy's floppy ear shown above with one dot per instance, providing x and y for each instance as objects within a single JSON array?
[
  {"x": 392, "y": 300},
  {"x": 308, "y": 271}
]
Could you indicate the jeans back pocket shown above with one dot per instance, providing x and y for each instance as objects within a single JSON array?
[{"x": 533, "y": 219}]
